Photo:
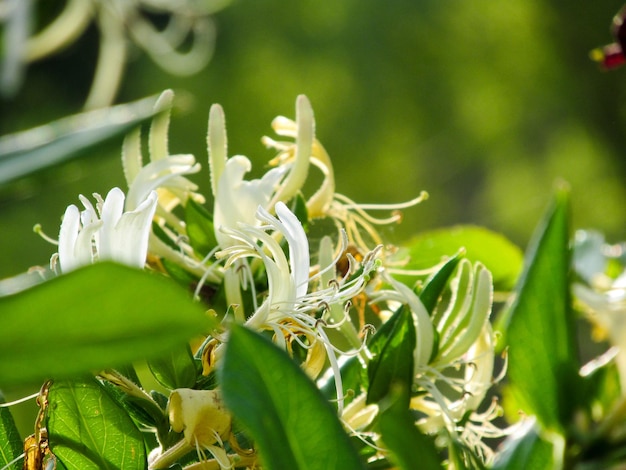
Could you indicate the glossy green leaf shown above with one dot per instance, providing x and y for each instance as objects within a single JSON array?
[
  {"x": 89, "y": 430},
  {"x": 10, "y": 441},
  {"x": 497, "y": 253},
  {"x": 524, "y": 449},
  {"x": 394, "y": 363},
  {"x": 436, "y": 283},
  {"x": 539, "y": 325},
  {"x": 35, "y": 149},
  {"x": 175, "y": 370},
  {"x": 286, "y": 415},
  {"x": 96, "y": 317},
  {"x": 200, "y": 228},
  {"x": 410, "y": 449}
]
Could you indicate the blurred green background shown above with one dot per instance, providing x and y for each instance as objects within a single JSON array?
[{"x": 483, "y": 104}]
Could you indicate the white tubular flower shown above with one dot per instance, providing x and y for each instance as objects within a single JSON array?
[
  {"x": 165, "y": 172},
  {"x": 205, "y": 423},
  {"x": 325, "y": 202},
  {"x": 606, "y": 309},
  {"x": 237, "y": 200},
  {"x": 106, "y": 233},
  {"x": 289, "y": 308},
  {"x": 457, "y": 377}
]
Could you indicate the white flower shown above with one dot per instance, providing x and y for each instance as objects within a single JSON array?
[
  {"x": 306, "y": 150},
  {"x": 237, "y": 200},
  {"x": 290, "y": 307},
  {"x": 106, "y": 232},
  {"x": 457, "y": 376},
  {"x": 607, "y": 311}
]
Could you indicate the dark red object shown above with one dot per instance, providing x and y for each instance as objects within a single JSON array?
[{"x": 613, "y": 55}]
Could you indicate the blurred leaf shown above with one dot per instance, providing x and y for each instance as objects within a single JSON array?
[
  {"x": 402, "y": 437},
  {"x": 10, "y": 441},
  {"x": 200, "y": 228},
  {"x": 98, "y": 316},
  {"x": 287, "y": 416},
  {"x": 436, "y": 283},
  {"x": 498, "y": 254},
  {"x": 524, "y": 449},
  {"x": 28, "y": 151},
  {"x": 539, "y": 325},
  {"x": 175, "y": 370},
  {"x": 394, "y": 363},
  {"x": 89, "y": 430}
]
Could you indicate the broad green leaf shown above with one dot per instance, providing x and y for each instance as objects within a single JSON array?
[
  {"x": 524, "y": 449},
  {"x": 539, "y": 325},
  {"x": 40, "y": 147},
  {"x": 96, "y": 317},
  {"x": 175, "y": 370},
  {"x": 286, "y": 415},
  {"x": 89, "y": 430},
  {"x": 394, "y": 363},
  {"x": 498, "y": 254},
  {"x": 410, "y": 449},
  {"x": 10, "y": 441},
  {"x": 200, "y": 228}
]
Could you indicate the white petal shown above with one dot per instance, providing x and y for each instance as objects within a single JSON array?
[
  {"x": 67, "y": 238},
  {"x": 130, "y": 237},
  {"x": 112, "y": 210},
  {"x": 298, "y": 248}
]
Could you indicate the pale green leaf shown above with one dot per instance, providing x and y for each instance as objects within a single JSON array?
[
  {"x": 34, "y": 149},
  {"x": 99, "y": 316}
]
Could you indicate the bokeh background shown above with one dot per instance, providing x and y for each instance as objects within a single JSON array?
[{"x": 482, "y": 103}]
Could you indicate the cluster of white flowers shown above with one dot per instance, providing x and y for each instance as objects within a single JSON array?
[{"x": 308, "y": 290}]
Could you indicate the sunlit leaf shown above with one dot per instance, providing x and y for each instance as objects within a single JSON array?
[
  {"x": 498, "y": 254},
  {"x": 89, "y": 430},
  {"x": 524, "y": 449},
  {"x": 286, "y": 415},
  {"x": 539, "y": 325},
  {"x": 37, "y": 148},
  {"x": 98, "y": 316},
  {"x": 10, "y": 441},
  {"x": 394, "y": 363}
]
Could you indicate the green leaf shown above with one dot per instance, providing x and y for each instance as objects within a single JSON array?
[
  {"x": 200, "y": 228},
  {"x": 10, "y": 441},
  {"x": 287, "y": 416},
  {"x": 524, "y": 449},
  {"x": 402, "y": 437},
  {"x": 175, "y": 370},
  {"x": 436, "y": 283},
  {"x": 394, "y": 363},
  {"x": 96, "y": 317},
  {"x": 498, "y": 254},
  {"x": 539, "y": 325},
  {"x": 89, "y": 430},
  {"x": 35, "y": 149}
]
